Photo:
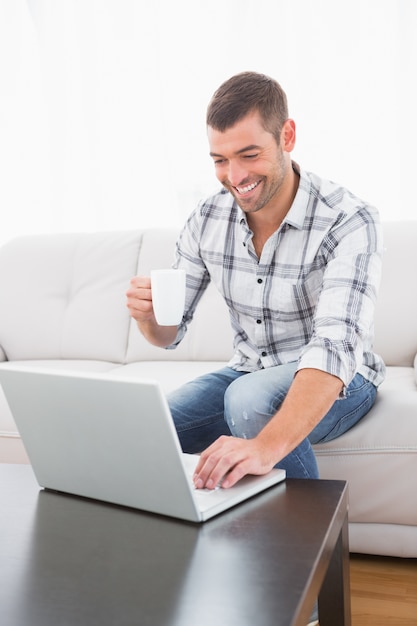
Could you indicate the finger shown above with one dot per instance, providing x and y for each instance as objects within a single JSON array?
[
  {"x": 218, "y": 464},
  {"x": 140, "y": 287},
  {"x": 209, "y": 452},
  {"x": 141, "y": 281},
  {"x": 236, "y": 474},
  {"x": 203, "y": 476}
]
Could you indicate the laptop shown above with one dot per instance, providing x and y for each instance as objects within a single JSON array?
[{"x": 112, "y": 439}]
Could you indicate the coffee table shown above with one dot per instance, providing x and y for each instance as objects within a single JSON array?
[{"x": 68, "y": 561}]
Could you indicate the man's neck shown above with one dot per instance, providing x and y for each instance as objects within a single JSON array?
[{"x": 265, "y": 222}]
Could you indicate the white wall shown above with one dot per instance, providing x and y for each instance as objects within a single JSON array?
[{"x": 102, "y": 102}]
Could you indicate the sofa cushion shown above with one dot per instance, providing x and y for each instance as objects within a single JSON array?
[
  {"x": 378, "y": 456},
  {"x": 65, "y": 297},
  {"x": 168, "y": 375}
]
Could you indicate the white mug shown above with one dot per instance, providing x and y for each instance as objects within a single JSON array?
[{"x": 168, "y": 296}]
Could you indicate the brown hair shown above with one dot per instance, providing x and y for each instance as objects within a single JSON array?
[{"x": 246, "y": 92}]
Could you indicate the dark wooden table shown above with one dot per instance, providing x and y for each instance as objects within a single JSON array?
[{"x": 66, "y": 561}]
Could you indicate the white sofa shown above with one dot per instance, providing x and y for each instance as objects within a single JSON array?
[{"x": 62, "y": 303}]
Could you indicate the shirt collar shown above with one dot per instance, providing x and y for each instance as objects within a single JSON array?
[{"x": 296, "y": 215}]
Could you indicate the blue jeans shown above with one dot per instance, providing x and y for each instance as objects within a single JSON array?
[{"x": 227, "y": 402}]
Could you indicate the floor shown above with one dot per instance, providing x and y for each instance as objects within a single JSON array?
[{"x": 383, "y": 591}]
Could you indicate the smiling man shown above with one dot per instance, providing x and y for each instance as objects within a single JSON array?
[
  {"x": 259, "y": 175},
  {"x": 297, "y": 260}
]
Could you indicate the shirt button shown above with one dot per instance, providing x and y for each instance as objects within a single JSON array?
[
  {"x": 259, "y": 321},
  {"x": 263, "y": 354},
  {"x": 260, "y": 280}
]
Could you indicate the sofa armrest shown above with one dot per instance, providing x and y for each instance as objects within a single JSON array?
[{"x": 3, "y": 356}]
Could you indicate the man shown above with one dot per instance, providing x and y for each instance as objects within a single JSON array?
[{"x": 297, "y": 260}]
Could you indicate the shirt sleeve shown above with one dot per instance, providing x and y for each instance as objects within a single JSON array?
[
  {"x": 344, "y": 315},
  {"x": 188, "y": 257}
]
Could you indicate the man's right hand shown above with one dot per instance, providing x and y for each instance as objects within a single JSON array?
[
  {"x": 139, "y": 303},
  {"x": 139, "y": 299}
]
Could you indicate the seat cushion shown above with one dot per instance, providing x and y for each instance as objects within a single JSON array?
[{"x": 378, "y": 456}]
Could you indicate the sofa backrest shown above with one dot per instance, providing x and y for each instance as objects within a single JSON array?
[
  {"x": 396, "y": 311},
  {"x": 63, "y": 297},
  {"x": 209, "y": 336}
]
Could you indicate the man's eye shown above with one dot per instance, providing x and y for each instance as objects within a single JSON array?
[
  {"x": 250, "y": 156},
  {"x": 219, "y": 161}
]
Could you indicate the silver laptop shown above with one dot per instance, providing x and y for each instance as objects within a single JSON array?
[{"x": 112, "y": 439}]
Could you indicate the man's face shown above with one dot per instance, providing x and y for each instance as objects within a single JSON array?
[{"x": 249, "y": 163}]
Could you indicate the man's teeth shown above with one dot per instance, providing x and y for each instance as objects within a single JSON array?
[{"x": 246, "y": 189}]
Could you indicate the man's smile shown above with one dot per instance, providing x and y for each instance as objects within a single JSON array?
[{"x": 244, "y": 190}]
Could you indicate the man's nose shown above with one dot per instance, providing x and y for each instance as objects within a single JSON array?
[{"x": 237, "y": 173}]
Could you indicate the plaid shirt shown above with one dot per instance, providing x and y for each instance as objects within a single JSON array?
[{"x": 309, "y": 298}]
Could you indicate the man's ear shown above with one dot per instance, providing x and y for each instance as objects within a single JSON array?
[{"x": 288, "y": 136}]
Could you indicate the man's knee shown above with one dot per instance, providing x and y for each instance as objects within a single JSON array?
[
  {"x": 236, "y": 404},
  {"x": 246, "y": 410},
  {"x": 251, "y": 400}
]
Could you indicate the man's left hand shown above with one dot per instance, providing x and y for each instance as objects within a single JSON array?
[{"x": 228, "y": 459}]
